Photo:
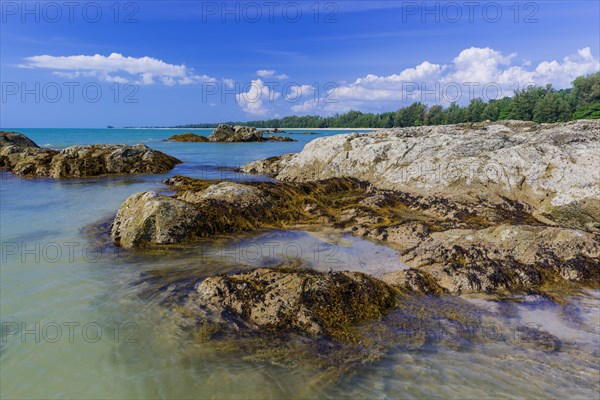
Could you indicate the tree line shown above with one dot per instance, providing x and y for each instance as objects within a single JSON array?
[{"x": 536, "y": 103}]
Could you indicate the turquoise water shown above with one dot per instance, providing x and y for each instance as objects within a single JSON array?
[{"x": 79, "y": 320}]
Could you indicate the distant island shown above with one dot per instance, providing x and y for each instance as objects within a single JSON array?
[{"x": 541, "y": 104}]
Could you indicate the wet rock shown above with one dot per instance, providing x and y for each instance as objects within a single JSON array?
[
  {"x": 506, "y": 258},
  {"x": 294, "y": 299},
  {"x": 152, "y": 218},
  {"x": 80, "y": 161},
  {"x": 187, "y": 137},
  {"x": 489, "y": 248},
  {"x": 414, "y": 280},
  {"x": 224, "y": 207}
]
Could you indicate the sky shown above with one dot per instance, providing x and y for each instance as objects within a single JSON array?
[{"x": 164, "y": 63}]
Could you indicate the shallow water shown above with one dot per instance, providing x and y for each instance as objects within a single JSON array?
[{"x": 81, "y": 319}]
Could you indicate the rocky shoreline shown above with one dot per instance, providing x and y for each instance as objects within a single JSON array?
[
  {"x": 493, "y": 209},
  {"x": 535, "y": 232}
]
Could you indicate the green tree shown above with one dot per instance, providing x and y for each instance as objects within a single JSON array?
[
  {"x": 553, "y": 107},
  {"x": 455, "y": 114},
  {"x": 474, "y": 111},
  {"x": 525, "y": 101},
  {"x": 435, "y": 116}
]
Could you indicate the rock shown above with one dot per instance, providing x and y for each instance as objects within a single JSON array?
[
  {"x": 280, "y": 139},
  {"x": 152, "y": 218},
  {"x": 81, "y": 161},
  {"x": 282, "y": 299},
  {"x": 222, "y": 208},
  {"x": 491, "y": 248},
  {"x": 229, "y": 133},
  {"x": 229, "y": 192},
  {"x": 530, "y": 336},
  {"x": 15, "y": 139},
  {"x": 553, "y": 168},
  {"x": 414, "y": 280},
  {"x": 504, "y": 258},
  {"x": 270, "y": 166},
  {"x": 187, "y": 137}
]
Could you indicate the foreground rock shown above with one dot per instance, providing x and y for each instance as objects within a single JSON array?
[
  {"x": 276, "y": 299},
  {"x": 187, "y": 137},
  {"x": 22, "y": 156},
  {"x": 553, "y": 169},
  {"x": 487, "y": 247}
]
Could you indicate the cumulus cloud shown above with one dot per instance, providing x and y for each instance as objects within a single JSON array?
[
  {"x": 270, "y": 73},
  {"x": 296, "y": 92},
  {"x": 112, "y": 68},
  {"x": 475, "y": 72},
  {"x": 255, "y": 100}
]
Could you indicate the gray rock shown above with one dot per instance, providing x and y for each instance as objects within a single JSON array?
[
  {"x": 80, "y": 161},
  {"x": 554, "y": 168},
  {"x": 152, "y": 218},
  {"x": 229, "y": 133}
]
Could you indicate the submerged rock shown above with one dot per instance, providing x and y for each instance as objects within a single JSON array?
[
  {"x": 294, "y": 299},
  {"x": 21, "y": 156},
  {"x": 187, "y": 137}
]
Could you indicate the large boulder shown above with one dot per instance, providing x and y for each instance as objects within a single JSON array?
[
  {"x": 152, "y": 218},
  {"x": 554, "y": 168},
  {"x": 294, "y": 299},
  {"x": 230, "y": 133},
  {"x": 21, "y": 156}
]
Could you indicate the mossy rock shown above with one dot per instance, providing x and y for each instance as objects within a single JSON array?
[{"x": 295, "y": 299}]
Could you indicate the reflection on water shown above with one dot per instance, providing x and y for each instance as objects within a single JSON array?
[{"x": 82, "y": 320}]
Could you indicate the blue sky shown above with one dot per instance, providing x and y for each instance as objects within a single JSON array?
[{"x": 166, "y": 63}]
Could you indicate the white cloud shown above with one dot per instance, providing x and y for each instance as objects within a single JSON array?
[
  {"x": 465, "y": 78},
  {"x": 142, "y": 70},
  {"x": 255, "y": 99},
  {"x": 296, "y": 92},
  {"x": 270, "y": 73}
]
